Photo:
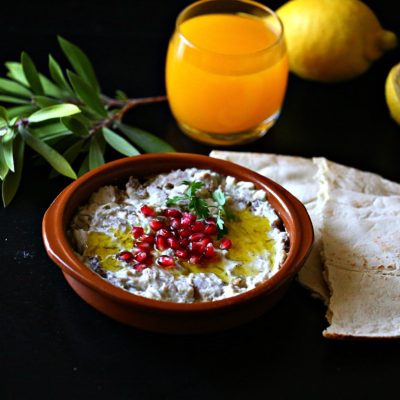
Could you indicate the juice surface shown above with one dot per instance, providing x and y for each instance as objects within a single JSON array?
[
  {"x": 225, "y": 80},
  {"x": 228, "y": 33}
]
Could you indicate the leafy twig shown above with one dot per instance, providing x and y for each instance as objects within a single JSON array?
[{"x": 65, "y": 120}]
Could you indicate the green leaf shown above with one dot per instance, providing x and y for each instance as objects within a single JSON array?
[
  {"x": 75, "y": 125},
  {"x": 70, "y": 155},
  {"x": 87, "y": 94},
  {"x": 21, "y": 111},
  {"x": 16, "y": 72},
  {"x": 80, "y": 62},
  {"x": 3, "y": 165},
  {"x": 15, "y": 100},
  {"x": 118, "y": 143},
  {"x": 8, "y": 136},
  {"x": 147, "y": 141},
  {"x": 12, "y": 179},
  {"x": 31, "y": 74},
  {"x": 120, "y": 95},
  {"x": 96, "y": 157},
  {"x": 55, "y": 159},
  {"x": 219, "y": 197},
  {"x": 43, "y": 101},
  {"x": 8, "y": 86},
  {"x": 50, "y": 89},
  {"x": 47, "y": 129},
  {"x": 53, "y": 136},
  {"x": 57, "y": 111},
  {"x": 8, "y": 155},
  {"x": 73, "y": 151},
  {"x": 57, "y": 74},
  {"x": 84, "y": 166},
  {"x": 3, "y": 114},
  {"x": 175, "y": 200}
]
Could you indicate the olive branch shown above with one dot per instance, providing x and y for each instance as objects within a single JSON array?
[{"x": 65, "y": 120}]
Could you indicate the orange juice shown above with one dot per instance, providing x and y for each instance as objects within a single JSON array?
[{"x": 226, "y": 74}]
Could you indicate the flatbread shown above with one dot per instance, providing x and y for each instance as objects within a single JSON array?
[
  {"x": 361, "y": 251},
  {"x": 297, "y": 175},
  {"x": 356, "y": 217},
  {"x": 331, "y": 176}
]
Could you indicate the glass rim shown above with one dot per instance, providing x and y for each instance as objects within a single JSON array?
[{"x": 189, "y": 43}]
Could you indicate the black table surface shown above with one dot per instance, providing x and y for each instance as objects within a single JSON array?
[{"x": 54, "y": 345}]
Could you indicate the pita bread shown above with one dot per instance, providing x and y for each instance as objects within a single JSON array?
[
  {"x": 356, "y": 218},
  {"x": 331, "y": 175},
  {"x": 297, "y": 175},
  {"x": 361, "y": 251}
]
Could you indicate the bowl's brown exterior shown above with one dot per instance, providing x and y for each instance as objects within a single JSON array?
[{"x": 163, "y": 316}]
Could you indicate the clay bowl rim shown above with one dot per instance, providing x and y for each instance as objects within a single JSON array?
[{"x": 57, "y": 245}]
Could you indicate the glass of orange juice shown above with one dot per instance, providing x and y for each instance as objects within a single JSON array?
[{"x": 226, "y": 70}]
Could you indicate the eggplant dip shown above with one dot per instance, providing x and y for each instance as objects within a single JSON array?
[{"x": 186, "y": 236}]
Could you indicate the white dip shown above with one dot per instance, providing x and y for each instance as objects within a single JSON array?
[{"x": 101, "y": 232}]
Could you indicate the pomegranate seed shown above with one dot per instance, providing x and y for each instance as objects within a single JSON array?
[
  {"x": 156, "y": 224},
  {"x": 161, "y": 243},
  {"x": 126, "y": 256},
  {"x": 143, "y": 246},
  {"x": 148, "y": 211},
  {"x": 140, "y": 267},
  {"x": 225, "y": 244},
  {"x": 173, "y": 243},
  {"x": 172, "y": 213},
  {"x": 165, "y": 261},
  {"x": 197, "y": 226},
  {"x": 164, "y": 232},
  {"x": 205, "y": 241},
  {"x": 196, "y": 237},
  {"x": 141, "y": 256},
  {"x": 181, "y": 253},
  {"x": 184, "y": 232},
  {"x": 175, "y": 223},
  {"x": 137, "y": 231},
  {"x": 186, "y": 221},
  {"x": 197, "y": 247},
  {"x": 210, "y": 229},
  {"x": 209, "y": 252},
  {"x": 195, "y": 259},
  {"x": 183, "y": 242},
  {"x": 147, "y": 239},
  {"x": 189, "y": 215}
]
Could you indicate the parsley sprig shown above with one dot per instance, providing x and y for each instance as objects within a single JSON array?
[{"x": 201, "y": 208}]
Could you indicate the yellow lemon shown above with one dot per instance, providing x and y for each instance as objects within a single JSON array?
[
  {"x": 392, "y": 92},
  {"x": 332, "y": 40}
]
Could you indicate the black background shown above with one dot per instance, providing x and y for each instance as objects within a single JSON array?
[{"x": 53, "y": 345}]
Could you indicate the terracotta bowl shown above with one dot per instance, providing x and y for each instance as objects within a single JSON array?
[{"x": 161, "y": 316}]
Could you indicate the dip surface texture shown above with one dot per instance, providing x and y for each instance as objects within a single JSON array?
[{"x": 185, "y": 260}]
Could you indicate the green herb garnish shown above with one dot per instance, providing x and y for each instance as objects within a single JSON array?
[
  {"x": 201, "y": 208},
  {"x": 195, "y": 204},
  {"x": 65, "y": 119}
]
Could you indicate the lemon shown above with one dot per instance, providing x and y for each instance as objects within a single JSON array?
[
  {"x": 332, "y": 40},
  {"x": 392, "y": 92}
]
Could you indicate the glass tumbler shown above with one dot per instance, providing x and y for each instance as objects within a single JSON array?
[{"x": 226, "y": 71}]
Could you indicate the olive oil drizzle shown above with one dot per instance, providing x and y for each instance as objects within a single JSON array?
[{"x": 250, "y": 238}]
